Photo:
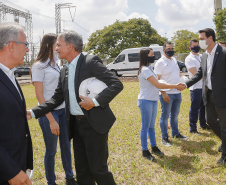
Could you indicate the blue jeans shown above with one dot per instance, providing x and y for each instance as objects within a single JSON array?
[
  {"x": 148, "y": 110},
  {"x": 51, "y": 146},
  {"x": 171, "y": 109},
  {"x": 197, "y": 110}
]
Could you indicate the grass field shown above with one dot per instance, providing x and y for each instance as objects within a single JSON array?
[{"x": 187, "y": 162}]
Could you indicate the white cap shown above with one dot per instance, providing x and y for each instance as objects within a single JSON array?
[{"x": 91, "y": 87}]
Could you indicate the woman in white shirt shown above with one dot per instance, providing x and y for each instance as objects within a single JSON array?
[
  {"x": 148, "y": 101},
  {"x": 45, "y": 74}
]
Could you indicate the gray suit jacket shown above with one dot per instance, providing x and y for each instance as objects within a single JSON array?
[
  {"x": 218, "y": 77},
  {"x": 100, "y": 118}
]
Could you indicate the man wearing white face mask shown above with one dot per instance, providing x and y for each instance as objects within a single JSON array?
[{"x": 213, "y": 72}]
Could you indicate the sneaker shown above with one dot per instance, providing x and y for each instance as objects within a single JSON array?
[
  {"x": 147, "y": 155},
  {"x": 194, "y": 132},
  {"x": 71, "y": 182},
  {"x": 165, "y": 141},
  {"x": 179, "y": 136},
  {"x": 156, "y": 151}
]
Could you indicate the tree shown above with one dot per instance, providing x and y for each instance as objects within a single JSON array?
[
  {"x": 181, "y": 40},
  {"x": 110, "y": 41},
  {"x": 220, "y": 23}
]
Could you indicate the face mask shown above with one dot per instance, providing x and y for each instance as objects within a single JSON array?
[
  {"x": 169, "y": 53},
  {"x": 151, "y": 59},
  {"x": 195, "y": 49},
  {"x": 203, "y": 44}
]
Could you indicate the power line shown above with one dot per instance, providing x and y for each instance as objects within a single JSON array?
[{"x": 46, "y": 16}]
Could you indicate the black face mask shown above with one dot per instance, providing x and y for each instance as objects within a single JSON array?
[
  {"x": 151, "y": 59},
  {"x": 195, "y": 49}
]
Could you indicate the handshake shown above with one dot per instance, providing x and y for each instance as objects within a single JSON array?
[{"x": 181, "y": 86}]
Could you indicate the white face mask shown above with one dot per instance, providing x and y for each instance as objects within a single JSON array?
[{"x": 202, "y": 44}]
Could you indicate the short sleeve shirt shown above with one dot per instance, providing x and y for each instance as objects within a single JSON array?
[
  {"x": 147, "y": 90},
  {"x": 190, "y": 62},
  {"x": 49, "y": 76},
  {"x": 169, "y": 71}
]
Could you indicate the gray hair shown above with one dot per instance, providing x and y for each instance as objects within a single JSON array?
[
  {"x": 73, "y": 38},
  {"x": 9, "y": 31}
]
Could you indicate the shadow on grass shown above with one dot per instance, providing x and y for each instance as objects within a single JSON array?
[
  {"x": 196, "y": 147},
  {"x": 182, "y": 164}
]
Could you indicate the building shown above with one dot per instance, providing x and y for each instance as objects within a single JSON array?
[{"x": 217, "y": 6}]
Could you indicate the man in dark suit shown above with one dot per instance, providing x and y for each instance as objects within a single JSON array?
[
  {"x": 213, "y": 72},
  {"x": 88, "y": 120},
  {"x": 16, "y": 154}
]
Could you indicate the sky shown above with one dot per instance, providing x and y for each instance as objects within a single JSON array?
[{"x": 166, "y": 16}]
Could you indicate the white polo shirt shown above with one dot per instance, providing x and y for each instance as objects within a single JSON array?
[
  {"x": 190, "y": 62},
  {"x": 49, "y": 76},
  {"x": 169, "y": 71}
]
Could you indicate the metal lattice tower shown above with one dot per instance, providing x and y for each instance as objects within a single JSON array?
[
  {"x": 58, "y": 8},
  {"x": 4, "y": 9}
]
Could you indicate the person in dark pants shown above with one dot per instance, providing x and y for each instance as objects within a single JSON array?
[
  {"x": 88, "y": 120},
  {"x": 213, "y": 72},
  {"x": 16, "y": 155},
  {"x": 197, "y": 110}
]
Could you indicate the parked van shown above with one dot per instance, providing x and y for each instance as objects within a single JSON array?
[{"x": 127, "y": 62}]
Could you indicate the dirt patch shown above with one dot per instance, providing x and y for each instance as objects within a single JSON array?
[{"x": 128, "y": 79}]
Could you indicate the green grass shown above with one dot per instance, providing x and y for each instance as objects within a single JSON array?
[{"x": 186, "y": 162}]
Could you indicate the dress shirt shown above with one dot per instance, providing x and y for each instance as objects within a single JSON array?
[
  {"x": 10, "y": 74},
  {"x": 210, "y": 58}
]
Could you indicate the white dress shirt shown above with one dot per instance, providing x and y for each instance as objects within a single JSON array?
[
  {"x": 210, "y": 58},
  {"x": 10, "y": 74}
]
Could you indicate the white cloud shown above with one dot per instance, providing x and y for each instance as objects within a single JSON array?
[{"x": 186, "y": 14}]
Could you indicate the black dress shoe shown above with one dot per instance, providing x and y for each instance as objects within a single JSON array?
[
  {"x": 71, "y": 182},
  {"x": 194, "y": 132},
  {"x": 206, "y": 127},
  {"x": 156, "y": 151},
  {"x": 147, "y": 155},
  {"x": 220, "y": 149},
  {"x": 221, "y": 161}
]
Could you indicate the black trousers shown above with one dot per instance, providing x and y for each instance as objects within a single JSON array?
[
  {"x": 91, "y": 154},
  {"x": 216, "y": 119}
]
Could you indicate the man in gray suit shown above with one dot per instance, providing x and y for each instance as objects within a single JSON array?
[
  {"x": 88, "y": 120},
  {"x": 213, "y": 72}
]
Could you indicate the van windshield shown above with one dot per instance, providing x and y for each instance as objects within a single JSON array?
[{"x": 120, "y": 58}]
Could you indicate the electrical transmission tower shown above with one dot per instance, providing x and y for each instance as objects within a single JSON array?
[
  {"x": 4, "y": 9},
  {"x": 58, "y": 8}
]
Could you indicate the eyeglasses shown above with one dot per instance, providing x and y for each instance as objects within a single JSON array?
[{"x": 25, "y": 43}]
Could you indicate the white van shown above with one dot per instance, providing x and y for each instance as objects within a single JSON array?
[{"x": 127, "y": 62}]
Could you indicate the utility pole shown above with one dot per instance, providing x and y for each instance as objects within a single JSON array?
[{"x": 58, "y": 8}]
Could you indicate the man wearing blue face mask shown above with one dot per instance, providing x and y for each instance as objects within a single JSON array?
[
  {"x": 197, "y": 110},
  {"x": 167, "y": 69}
]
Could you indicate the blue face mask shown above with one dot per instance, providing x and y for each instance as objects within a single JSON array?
[
  {"x": 169, "y": 53},
  {"x": 151, "y": 59},
  {"x": 195, "y": 49}
]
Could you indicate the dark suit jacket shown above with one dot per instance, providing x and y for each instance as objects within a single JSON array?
[
  {"x": 15, "y": 140},
  {"x": 218, "y": 77},
  {"x": 100, "y": 118}
]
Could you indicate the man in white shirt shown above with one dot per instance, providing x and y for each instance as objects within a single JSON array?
[
  {"x": 167, "y": 69},
  {"x": 16, "y": 155},
  {"x": 197, "y": 109},
  {"x": 213, "y": 72}
]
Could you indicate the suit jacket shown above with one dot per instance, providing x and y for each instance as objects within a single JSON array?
[
  {"x": 218, "y": 77},
  {"x": 100, "y": 118},
  {"x": 15, "y": 140}
]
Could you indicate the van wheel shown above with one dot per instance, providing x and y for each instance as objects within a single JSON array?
[
  {"x": 184, "y": 69},
  {"x": 115, "y": 72}
]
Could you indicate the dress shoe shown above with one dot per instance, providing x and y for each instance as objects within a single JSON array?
[
  {"x": 71, "y": 182},
  {"x": 206, "y": 127},
  {"x": 194, "y": 132},
  {"x": 220, "y": 149},
  {"x": 221, "y": 161},
  {"x": 147, "y": 155},
  {"x": 181, "y": 137}
]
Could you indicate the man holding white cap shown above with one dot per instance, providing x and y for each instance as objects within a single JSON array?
[{"x": 88, "y": 120}]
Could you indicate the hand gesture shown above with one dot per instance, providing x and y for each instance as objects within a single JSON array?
[
  {"x": 86, "y": 103},
  {"x": 28, "y": 115},
  {"x": 20, "y": 179},
  {"x": 181, "y": 86}
]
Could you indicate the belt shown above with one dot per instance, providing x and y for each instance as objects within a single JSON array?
[{"x": 79, "y": 117}]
